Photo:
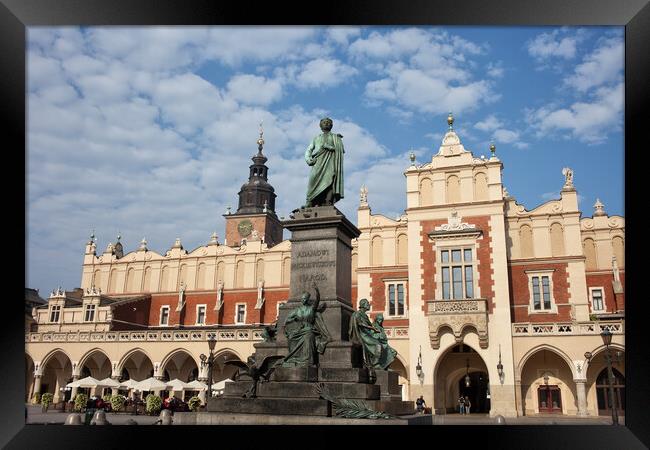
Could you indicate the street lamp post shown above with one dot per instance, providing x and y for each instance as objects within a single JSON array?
[
  {"x": 209, "y": 361},
  {"x": 607, "y": 340},
  {"x": 135, "y": 400},
  {"x": 418, "y": 368}
]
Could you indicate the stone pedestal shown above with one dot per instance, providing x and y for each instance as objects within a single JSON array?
[{"x": 320, "y": 253}]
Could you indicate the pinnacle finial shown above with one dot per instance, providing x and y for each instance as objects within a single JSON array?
[
  {"x": 450, "y": 120},
  {"x": 119, "y": 236},
  {"x": 493, "y": 149},
  {"x": 599, "y": 208},
  {"x": 412, "y": 157},
  {"x": 260, "y": 141}
]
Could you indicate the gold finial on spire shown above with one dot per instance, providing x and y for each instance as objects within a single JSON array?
[
  {"x": 260, "y": 141},
  {"x": 450, "y": 120}
]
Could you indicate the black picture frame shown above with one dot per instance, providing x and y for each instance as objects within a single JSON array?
[{"x": 15, "y": 15}]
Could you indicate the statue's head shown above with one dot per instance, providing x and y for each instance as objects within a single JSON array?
[
  {"x": 326, "y": 124},
  {"x": 363, "y": 304},
  {"x": 305, "y": 298},
  {"x": 379, "y": 318}
]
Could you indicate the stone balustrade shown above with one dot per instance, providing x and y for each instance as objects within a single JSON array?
[{"x": 569, "y": 328}]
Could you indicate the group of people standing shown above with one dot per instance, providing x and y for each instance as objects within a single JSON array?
[{"x": 464, "y": 404}]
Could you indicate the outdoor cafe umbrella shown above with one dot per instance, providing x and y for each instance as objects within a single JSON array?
[
  {"x": 196, "y": 385},
  {"x": 176, "y": 385},
  {"x": 221, "y": 385},
  {"x": 88, "y": 382},
  {"x": 109, "y": 382},
  {"x": 129, "y": 384},
  {"x": 150, "y": 384}
]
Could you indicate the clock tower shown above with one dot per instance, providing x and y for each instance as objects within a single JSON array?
[{"x": 255, "y": 218}]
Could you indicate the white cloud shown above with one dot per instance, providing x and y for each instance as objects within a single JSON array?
[
  {"x": 254, "y": 90},
  {"x": 490, "y": 123},
  {"x": 324, "y": 73},
  {"x": 605, "y": 64},
  {"x": 341, "y": 35},
  {"x": 505, "y": 136},
  {"x": 590, "y": 122},
  {"x": 495, "y": 70},
  {"x": 555, "y": 44}
]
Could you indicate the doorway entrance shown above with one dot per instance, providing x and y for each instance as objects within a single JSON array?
[
  {"x": 549, "y": 399},
  {"x": 602, "y": 392},
  {"x": 477, "y": 392}
]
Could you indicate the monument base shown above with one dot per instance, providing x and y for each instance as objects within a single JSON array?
[{"x": 214, "y": 418}]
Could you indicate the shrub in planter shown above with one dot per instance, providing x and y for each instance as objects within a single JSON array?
[
  {"x": 36, "y": 398},
  {"x": 154, "y": 404},
  {"x": 107, "y": 398},
  {"x": 117, "y": 402},
  {"x": 46, "y": 400},
  {"x": 194, "y": 403},
  {"x": 80, "y": 402}
]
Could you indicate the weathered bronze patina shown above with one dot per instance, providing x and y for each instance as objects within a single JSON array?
[
  {"x": 325, "y": 156},
  {"x": 257, "y": 373},
  {"x": 377, "y": 353},
  {"x": 306, "y": 333}
]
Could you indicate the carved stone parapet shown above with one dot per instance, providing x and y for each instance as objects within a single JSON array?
[{"x": 459, "y": 316}]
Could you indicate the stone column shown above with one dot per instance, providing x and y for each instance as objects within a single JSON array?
[
  {"x": 582, "y": 396},
  {"x": 37, "y": 384},
  {"x": 519, "y": 403},
  {"x": 73, "y": 393},
  {"x": 114, "y": 391}
]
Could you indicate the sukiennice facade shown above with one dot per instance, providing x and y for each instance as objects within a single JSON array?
[{"x": 467, "y": 279}]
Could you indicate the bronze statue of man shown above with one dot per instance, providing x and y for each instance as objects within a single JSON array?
[{"x": 325, "y": 157}]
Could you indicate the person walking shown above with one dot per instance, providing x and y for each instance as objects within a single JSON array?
[
  {"x": 419, "y": 403},
  {"x": 468, "y": 405},
  {"x": 461, "y": 404}
]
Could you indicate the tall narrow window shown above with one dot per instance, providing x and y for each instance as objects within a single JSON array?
[
  {"x": 164, "y": 315},
  {"x": 200, "y": 315},
  {"x": 541, "y": 292},
  {"x": 457, "y": 273},
  {"x": 453, "y": 189},
  {"x": 426, "y": 192},
  {"x": 55, "y": 313},
  {"x": 526, "y": 241},
  {"x": 597, "y": 300},
  {"x": 241, "y": 314},
  {"x": 396, "y": 305},
  {"x": 89, "y": 315}
]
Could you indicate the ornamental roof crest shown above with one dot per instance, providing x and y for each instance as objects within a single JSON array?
[{"x": 455, "y": 223}]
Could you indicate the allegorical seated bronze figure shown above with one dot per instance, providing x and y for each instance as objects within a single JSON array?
[
  {"x": 377, "y": 354},
  {"x": 306, "y": 333}
]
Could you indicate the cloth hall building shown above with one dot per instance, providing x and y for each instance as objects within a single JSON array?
[{"x": 492, "y": 300}]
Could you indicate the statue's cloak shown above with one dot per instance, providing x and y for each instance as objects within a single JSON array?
[{"x": 327, "y": 170}]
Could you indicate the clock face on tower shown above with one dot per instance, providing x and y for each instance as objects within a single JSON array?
[{"x": 245, "y": 227}]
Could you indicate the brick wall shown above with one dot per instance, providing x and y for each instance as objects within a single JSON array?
[
  {"x": 606, "y": 282},
  {"x": 484, "y": 256},
  {"x": 520, "y": 293}
]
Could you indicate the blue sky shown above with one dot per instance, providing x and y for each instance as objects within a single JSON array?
[{"x": 149, "y": 130}]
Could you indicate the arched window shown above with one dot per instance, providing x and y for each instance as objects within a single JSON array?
[
  {"x": 426, "y": 192},
  {"x": 355, "y": 262},
  {"x": 618, "y": 249},
  {"x": 182, "y": 276},
  {"x": 97, "y": 278},
  {"x": 286, "y": 271},
  {"x": 557, "y": 240},
  {"x": 130, "y": 280},
  {"x": 589, "y": 248},
  {"x": 376, "y": 253},
  {"x": 146, "y": 284},
  {"x": 526, "y": 241},
  {"x": 480, "y": 186},
  {"x": 402, "y": 250},
  {"x": 239, "y": 275},
  {"x": 164, "y": 279},
  {"x": 221, "y": 267},
  {"x": 453, "y": 189},
  {"x": 259, "y": 270},
  {"x": 200, "y": 277},
  {"x": 112, "y": 285}
]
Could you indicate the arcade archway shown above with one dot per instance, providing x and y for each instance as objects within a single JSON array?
[{"x": 461, "y": 372}]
